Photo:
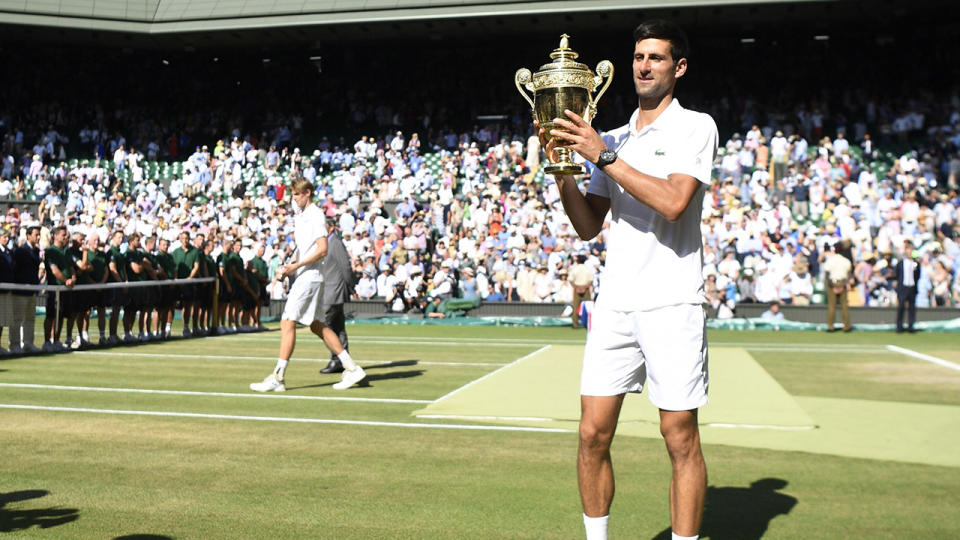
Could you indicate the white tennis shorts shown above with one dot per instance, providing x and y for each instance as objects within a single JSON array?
[
  {"x": 665, "y": 346},
  {"x": 305, "y": 300}
]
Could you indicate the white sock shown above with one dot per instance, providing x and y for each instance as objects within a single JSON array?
[
  {"x": 167, "y": 328},
  {"x": 85, "y": 336},
  {"x": 346, "y": 361},
  {"x": 281, "y": 368},
  {"x": 675, "y": 536},
  {"x": 596, "y": 527}
]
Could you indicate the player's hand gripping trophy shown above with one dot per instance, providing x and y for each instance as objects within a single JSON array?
[{"x": 563, "y": 84}]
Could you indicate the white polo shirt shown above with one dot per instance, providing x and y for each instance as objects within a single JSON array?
[
  {"x": 309, "y": 225},
  {"x": 651, "y": 262}
]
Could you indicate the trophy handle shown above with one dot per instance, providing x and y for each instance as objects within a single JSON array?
[
  {"x": 604, "y": 71},
  {"x": 523, "y": 76}
]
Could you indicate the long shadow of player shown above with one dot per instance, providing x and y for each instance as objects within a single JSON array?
[
  {"x": 44, "y": 518},
  {"x": 368, "y": 380},
  {"x": 737, "y": 513},
  {"x": 395, "y": 363}
]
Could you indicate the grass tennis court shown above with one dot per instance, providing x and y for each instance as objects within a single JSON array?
[{"x": 470, "y": 432}]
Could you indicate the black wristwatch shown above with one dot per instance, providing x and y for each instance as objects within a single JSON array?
[{"x": 607, "y": 157}]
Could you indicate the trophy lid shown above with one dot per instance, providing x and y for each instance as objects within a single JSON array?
[
  {"x": 565, "y": 66},
  {"x": 564, "y": 58}
]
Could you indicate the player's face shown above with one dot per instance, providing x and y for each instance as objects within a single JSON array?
[
  {"x": 302, "y": 199},
  {"x": 655, "y": 71}
]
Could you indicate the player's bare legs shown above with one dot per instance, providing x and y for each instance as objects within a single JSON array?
[
  {"x": 688, "y": 485},
  {"x": 598, "y": 424},
  {"x": 288, "y": 338},
  {"x": 329, "y": 337}
]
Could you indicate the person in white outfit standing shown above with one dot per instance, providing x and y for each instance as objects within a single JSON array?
[
  {"x": 648, "y": 325},
  {"x": 305, "y": 300}
]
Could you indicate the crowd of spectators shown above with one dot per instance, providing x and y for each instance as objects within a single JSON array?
[{"x": 468, "y": 217}]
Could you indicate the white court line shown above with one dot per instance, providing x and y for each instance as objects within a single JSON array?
[
  {"x": 927, "y": 357},
  {"x": 539, "y": 419},
  {"x": 469, "y": 417},
  {"x": 272, "y": 359},
  {"x": 832, "y": 346},
  {"x": 421, "y": 342},
  {"x": 801, "y": 349},
  {"x": 284, "y": 419},
  {"x": 213, "y": 394},
  {"x": 761, "y": 426},
  {"x": 475, "y": 381},
  {"x": 519, "y": 341}
]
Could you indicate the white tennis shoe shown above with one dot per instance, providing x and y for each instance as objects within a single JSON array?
[
  {"x": 270, "y": 384},
  {"x": 350, "y": 378}
]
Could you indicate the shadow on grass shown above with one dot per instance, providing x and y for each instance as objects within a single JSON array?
[
  {"x": 392, "y": 375},
  {"x": 143, "y": 537},
  {"x": 44, "y": 518},
  {"x": 395, "y": 363},
  {"x": 741, "y": 513},
  {"x": 366, "y": 382}
]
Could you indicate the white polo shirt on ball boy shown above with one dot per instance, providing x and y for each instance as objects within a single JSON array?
[{"x": 648, "y": 323}]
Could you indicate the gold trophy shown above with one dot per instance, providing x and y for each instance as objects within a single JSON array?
[{"x": 563, "y": 84}]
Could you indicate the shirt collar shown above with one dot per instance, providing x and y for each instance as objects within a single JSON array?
[{"x": 672, "y": 109}]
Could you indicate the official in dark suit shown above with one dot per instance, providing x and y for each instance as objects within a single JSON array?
[
  {"x": 26, "y": 271},
  {"x": 338, "y": 283},
  {"x": 907, "y": 274},
  {"x": 6, "y": 276}
]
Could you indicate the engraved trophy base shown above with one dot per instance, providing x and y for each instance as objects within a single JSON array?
[
  {"x": 564, "y": 168},
  {"x": 564, "y": 163}
]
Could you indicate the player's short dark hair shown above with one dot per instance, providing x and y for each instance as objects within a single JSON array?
[{"x": 666, "y": 30}]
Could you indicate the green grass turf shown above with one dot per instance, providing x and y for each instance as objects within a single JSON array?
[{"x": 96, "y": 475}]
